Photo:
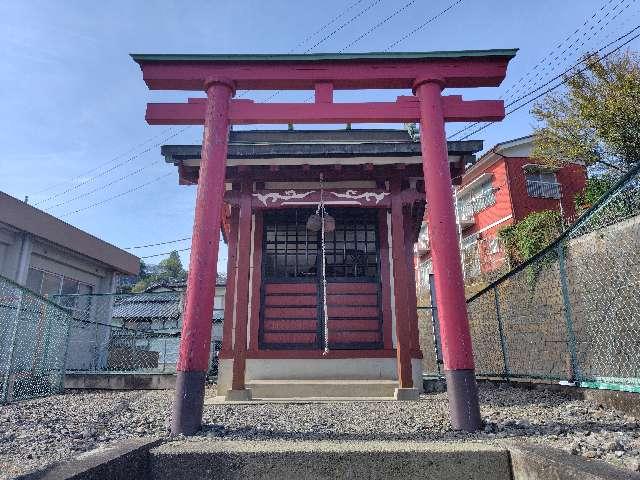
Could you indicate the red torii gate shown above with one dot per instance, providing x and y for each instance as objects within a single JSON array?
[{"x": 427, "y": 74}]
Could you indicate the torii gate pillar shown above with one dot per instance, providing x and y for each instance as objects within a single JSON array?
[
  {"x": 201, "y": 284},
  {"x": 462, "y": 389}
]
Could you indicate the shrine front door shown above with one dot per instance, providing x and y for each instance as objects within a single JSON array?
[{"x": 292, "y": 307}]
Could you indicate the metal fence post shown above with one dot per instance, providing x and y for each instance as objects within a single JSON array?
[
  {"x": 67, "y": 336},
  {"x": 164, "y": 354},
  {"x": 12, "y": 348},
  {"x": 503, "y": 340},
  {"x": 435, "y": 323},
  {"x": 568, "y": 315}
]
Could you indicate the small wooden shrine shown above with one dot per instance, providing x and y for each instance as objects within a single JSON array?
[{"x": 321, "y": 233}]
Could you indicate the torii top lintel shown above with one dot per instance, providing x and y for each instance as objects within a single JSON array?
[{"x": 324, "y": 73}]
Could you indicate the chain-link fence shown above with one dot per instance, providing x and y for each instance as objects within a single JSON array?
[
  {"x": 128, "y": 333},
  {"x": 33, "y": 345},
  {"x": 572, "y": 312}
]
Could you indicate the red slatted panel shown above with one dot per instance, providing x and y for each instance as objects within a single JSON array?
[
  {"x": 356, "y": 324},
  {"x": 370, "y": 300},
  {"x": 291, "y": 325},
  {"x": 291, "y": 300},
  {"x": 290, "y": 288},
  {"x": 353, "y": 337},
  {"x": 289, "y": 338},
  {"x": 352, "y": 288},
  {"x": 350, "y": 312},
  {"x": 290, "y": 315},
  {"x": 295, "y": 312}
]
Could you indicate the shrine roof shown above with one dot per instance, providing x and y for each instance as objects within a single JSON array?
[
  {"x": 320, "y": 57},
  {"x": 265, "y": 144}
]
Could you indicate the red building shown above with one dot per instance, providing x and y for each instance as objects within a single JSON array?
[{"x": 505, "y": 185}]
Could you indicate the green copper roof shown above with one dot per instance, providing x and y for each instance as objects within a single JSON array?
[{"x": 317, "y": 57}]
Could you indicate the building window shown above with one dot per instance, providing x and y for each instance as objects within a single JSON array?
[
  {"x": 476, "y": 201},
  {"x": 542, "y": 184},
  {"x": 47, "y": 284}
]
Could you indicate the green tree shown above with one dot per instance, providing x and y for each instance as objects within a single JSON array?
[
  {"x": 597, "y": 119},
  {"x": 595, "y": 188},
  {"x": 169, "y": 270}
]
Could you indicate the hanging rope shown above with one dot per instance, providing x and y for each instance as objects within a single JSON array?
[{"x": 321, "y": 210}]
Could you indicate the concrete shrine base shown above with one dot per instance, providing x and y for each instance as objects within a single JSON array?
[
  {"x": 203, "y": 458},
  {"x": 320, "y": 378}
]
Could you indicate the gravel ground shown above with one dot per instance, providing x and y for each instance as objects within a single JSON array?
[{"x": 38, "y": 432}]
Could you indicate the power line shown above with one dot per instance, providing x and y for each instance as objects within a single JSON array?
[
  {"x": 105, "y": 172},
  {"x": 326, "y": 25},
  {"x": 348, "y": 22},
  {"x": 166, "y": 253},
  {"x": 327, "y": 37},
  {"x": 56, "y": 185},
  {"x": 157, "y": 244},
  {"x": 102, "y": 187},
  {"x": 573, "y": 47},
  {"x": 567, "y": 78},
  {"x": 116, "y": 196},
  {"x": 309, "y": 37},
  {"x": 421, "y": 26},
  {"x": 401, "y": 39},
  {"x": 557, "y": 77},
  {"x": 378, "y": 25},
  {"x": 544, "y": 68},
  {"x": 367, "y": 8},
  {"x": 550, "y": 53}
]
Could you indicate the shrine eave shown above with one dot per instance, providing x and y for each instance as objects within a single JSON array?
[{"x": 326, "y": 144}]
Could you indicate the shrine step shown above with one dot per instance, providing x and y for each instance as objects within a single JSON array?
[
  {"x": 324, "y": 460},
  {"x": 272, "y": 389}
]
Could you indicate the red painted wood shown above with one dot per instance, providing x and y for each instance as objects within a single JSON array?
[
  {"x": 353, "y": 324},
  {"x": 412, "y": 299},
  {"x": 303, "y": 75},
  {"x": 354, "y": 337},
  {"x": 291, "y": 325},
  {"x": 352, "y": 287},
  {"x": 347, "y": 312},
  {"x": 278, "y": 312},
  {"x": 289, "y": 338},
  {"x": 324, "y": 92},
  {"x": 443, "y": 236},
  {"x": 244, "y": 112},
  {"x": 370, "y": 300},
  {"x": 242, "y": 290},
  {"x": 195, "y": 340},
  {"x": 257, "y": 282},
  {"x": 290, "y": 288},
  {"x": 385, "y": 279},
  {"x": 400, "y": 279},
  {"x": 230, "y": 293},
  {"x": 291, "y": 300}
]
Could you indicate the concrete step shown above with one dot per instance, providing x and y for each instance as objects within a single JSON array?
[
  {"x": 272, "y": 389},
  {"x": 295, "y": 460}
]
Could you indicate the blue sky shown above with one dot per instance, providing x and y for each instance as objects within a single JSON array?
[{"x": 73, "y": 101}]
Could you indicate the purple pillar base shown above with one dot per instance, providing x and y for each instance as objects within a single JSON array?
[
  {"x": 188, "y": 402},
  {"x": 462, "y": 391}
]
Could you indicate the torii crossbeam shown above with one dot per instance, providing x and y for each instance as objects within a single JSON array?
[{"x": 426, "y": 74}]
